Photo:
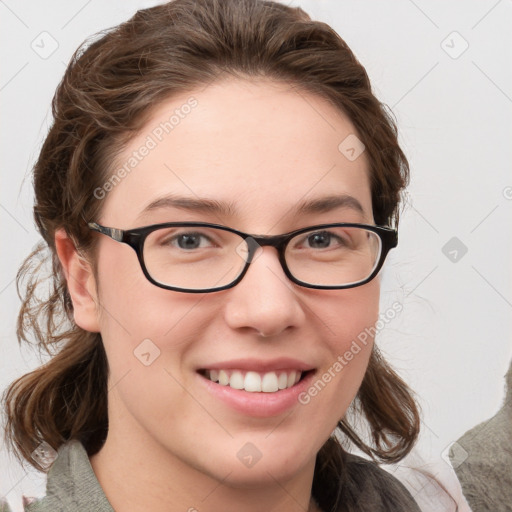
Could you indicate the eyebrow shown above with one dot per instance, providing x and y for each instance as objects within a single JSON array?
[
  {"x": 320, "y": 205},
  {"x": 191, "y": 204},
  {"x": 329, "y": 203}
]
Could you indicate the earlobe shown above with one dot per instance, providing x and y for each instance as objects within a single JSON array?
[{"x": 80, "y": 281}]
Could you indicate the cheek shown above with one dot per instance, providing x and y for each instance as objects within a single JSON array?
[
  {"x": 350, "y": 318},
  {"x": 147, "y": 333},
  {"x": 353, "y": 349},
  {"x": 131, "y": 306},
  {"x": 350, "y": 323},
  {"x": 139, "y": 322}
]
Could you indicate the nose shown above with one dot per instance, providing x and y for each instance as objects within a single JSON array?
[{"x": 265, "y": 301}]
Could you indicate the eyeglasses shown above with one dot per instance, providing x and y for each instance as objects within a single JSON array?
[{"x": 197, "y": 257}]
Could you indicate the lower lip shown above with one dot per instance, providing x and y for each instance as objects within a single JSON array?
[{"x": 259, "y": 404}]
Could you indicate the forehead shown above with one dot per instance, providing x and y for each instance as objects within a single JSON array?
[{"x": 261, "y": 146}]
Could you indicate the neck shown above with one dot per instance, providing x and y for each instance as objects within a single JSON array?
[{"x": 137, "y": 473}]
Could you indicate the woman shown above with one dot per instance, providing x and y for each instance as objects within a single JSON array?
[{"x": 215, "y": 195}]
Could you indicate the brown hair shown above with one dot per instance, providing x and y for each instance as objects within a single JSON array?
[{"x": 104, "y": 98}]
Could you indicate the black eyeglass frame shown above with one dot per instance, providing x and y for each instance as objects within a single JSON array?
[{"x": 135, "y": 238}]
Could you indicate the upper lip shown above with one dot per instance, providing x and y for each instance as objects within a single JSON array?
[{"x": 260, "y": 365}]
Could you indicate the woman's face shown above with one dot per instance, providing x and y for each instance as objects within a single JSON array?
[{"x": 259, "y": 151}]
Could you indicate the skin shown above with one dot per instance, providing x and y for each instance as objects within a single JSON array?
[{"x": 264, "y": 147}]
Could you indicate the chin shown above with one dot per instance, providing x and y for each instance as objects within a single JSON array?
[
  {"x": 259, "y": 462},
  {"x": 259, "y": 476}
]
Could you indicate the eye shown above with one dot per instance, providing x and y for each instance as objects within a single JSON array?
[
  {"x": 323, "y": 240},
  {"x": 188, "y": 241},
  {"x": 319, "y": 240}
]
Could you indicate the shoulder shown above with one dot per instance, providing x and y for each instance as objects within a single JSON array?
[
  {"x": 71, "y": 483},
  {"x": 372, "y": 488},
  {"x": 482, "y": 463}
]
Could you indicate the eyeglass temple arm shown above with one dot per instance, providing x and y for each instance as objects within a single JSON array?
[{"x": 115, "y": 234}]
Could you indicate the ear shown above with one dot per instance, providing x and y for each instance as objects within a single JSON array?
[{"x": 80, "y": 281}]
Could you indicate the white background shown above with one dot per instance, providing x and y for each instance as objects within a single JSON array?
[{"x": 452, "y": 341}]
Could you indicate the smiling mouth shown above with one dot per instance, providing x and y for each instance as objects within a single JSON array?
[{"x": 255, "y": 382}]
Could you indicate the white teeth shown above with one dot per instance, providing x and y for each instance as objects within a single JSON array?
[
  {"x": 237, "y": 380},
  {"x": 291, "y": 379},
  {"x": 223, "y": 378},
  {"x": 254, "y": 382},
  {"x": 282, "y": 381},
  {"x": 269, "y": 383}
]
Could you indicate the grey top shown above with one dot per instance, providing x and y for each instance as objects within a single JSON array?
[
  {"x": 482, "y": 459},
  {"x": 72, "y": 486}
]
